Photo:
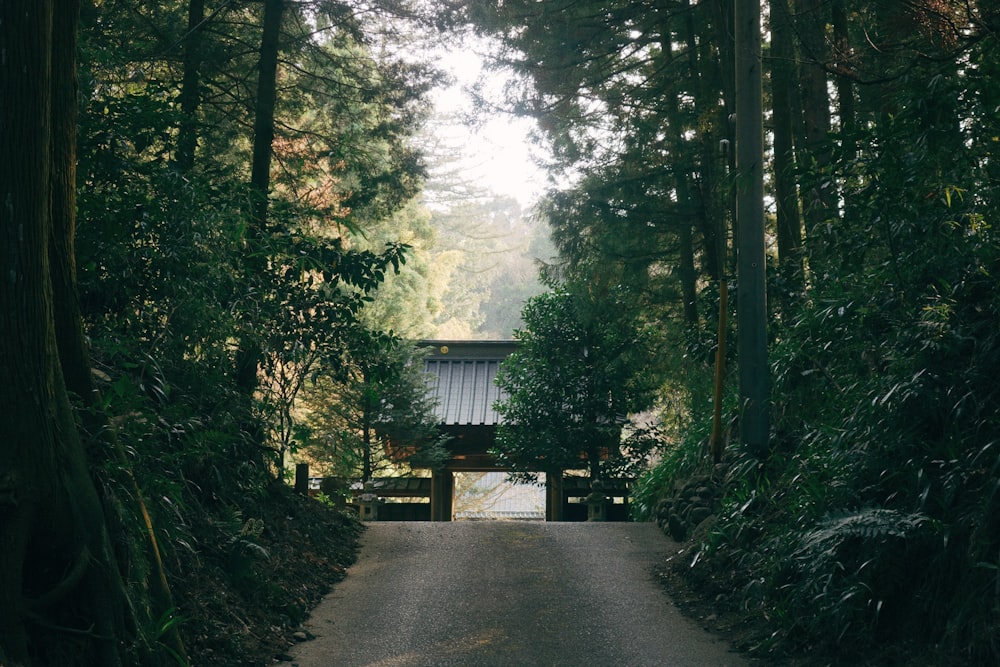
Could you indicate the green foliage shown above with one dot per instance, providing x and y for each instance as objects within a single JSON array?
[
  {"x": 243, "y": 552},
  {"x": 851, "y": 576},
  {"x": 634, "y": 131},
  {"x": 570, "y": 387},
  {"x": 373, "y": 415},
  {"x": 873, "y": 519},
  {"x": 484, "y": 263},
  {"x": 169, "y": 273},
  {"x": 166, "y": 624},
  {"x": 174, "y": 275},
  {"x": 873, "y": 515},
  {"x": 678, "y": 460}
]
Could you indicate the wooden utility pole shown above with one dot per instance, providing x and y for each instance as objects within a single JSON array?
[{"x": 751, "y": 293}]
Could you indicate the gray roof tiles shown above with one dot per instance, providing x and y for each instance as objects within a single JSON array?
[
  {"x": 461, "y": 377},
  {"x": 465, "y": 390}
]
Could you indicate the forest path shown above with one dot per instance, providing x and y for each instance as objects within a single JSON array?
[{"x": 506, "y": 593}]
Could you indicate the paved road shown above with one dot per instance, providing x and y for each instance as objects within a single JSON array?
[{"x": 506, "y": 593}]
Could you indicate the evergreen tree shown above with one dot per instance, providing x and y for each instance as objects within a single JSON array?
[
  {"x": 569, "y": 389},
  {"x": 374, "y": 415}
]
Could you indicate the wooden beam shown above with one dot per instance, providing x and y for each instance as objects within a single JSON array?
[
  {"x": 442, "y": 495},
  {"x": 554, "y": 497}
]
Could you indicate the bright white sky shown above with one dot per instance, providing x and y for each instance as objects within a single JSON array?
[{"x": 496, "y": 154}]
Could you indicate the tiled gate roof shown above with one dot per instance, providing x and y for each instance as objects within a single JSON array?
[{"x": 461, "y": 376}]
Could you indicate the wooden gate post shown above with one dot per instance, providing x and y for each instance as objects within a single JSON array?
[
  {"x": 554, "y": 498},
  {"x": 302, "y": 478},
  {"x": 442, "y": 492}
]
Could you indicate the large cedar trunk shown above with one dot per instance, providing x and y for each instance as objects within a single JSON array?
[
  {"x": 190, "y": 95},
  {"x": 784, "y": 101},
  {"x": 59, "y": 602},
  {"x": 709, "y": 73},
  {"x": 686, "y": 270},
  {"x": 814, "y": 150},
  {"x": 250, "y": 353},
  {"x": 73, "y": 354},
  {"x": 845, "y": 86}
]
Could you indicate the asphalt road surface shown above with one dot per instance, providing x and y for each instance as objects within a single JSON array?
[{"x": 506, "y": 593}]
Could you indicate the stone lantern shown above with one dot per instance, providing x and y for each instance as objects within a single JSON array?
[
  {"x": 597, "y": 502},
  {"x": 368, "y": 503}
]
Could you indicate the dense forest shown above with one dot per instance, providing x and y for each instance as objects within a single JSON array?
[
  {"x": 203, "y": 201},
  {"x": 868, "y": 518},
  {"x": 218, "y": 224}
]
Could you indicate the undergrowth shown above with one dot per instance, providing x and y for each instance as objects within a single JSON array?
[
  {"x": 245, "y": 557},
  {"x": 871, "y": 532},
  {"x": 258, "y": 571},
  {"x": 816, "y": 568}
]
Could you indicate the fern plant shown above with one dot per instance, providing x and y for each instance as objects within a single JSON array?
[{"x": 852, "y": 575}]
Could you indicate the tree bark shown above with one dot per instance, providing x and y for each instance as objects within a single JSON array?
[
  {"x": 815, "y": 156},
  {"x": 250, "y": 353},
  {"x": 366, "y": 426},
  {"x": 190, "y": 94},
  {"x": 751, "y": 289},
  {"x": 26, "y": 356},
  {"x": 56, "y": 568},
  {"x": 688, "y": 276},
  {"x": 71, "y": 343},
  {"x": 783, "y": 99},
  {"x": 686, "y": 271},
  {"x": 63, "y": 194},
  {"x": 723, "y": 20},
  {"x": 263, "y": 126},
  {"x": 845, "y": 87},
  {"x": 708, "y": 78}
]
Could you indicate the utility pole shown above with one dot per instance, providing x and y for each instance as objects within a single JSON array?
[{"x": 751, "y": 291}]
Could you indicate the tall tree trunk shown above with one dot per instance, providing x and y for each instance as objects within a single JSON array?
[
  {"x": 686, "y": 270},
  {"x": 751, "y": 301},
  {"x": 722, "y": 21},
  {"x": 263, "y": 126},
  {"x": 27, "y": 357},
  {"x": 71, "y": 344},
  {"x": 688, "y": 276},
  {"x": 250, "y": 353},
  {"x": 56, "y": 568},
  {"x": 366, "y": 426},
  {"x": 73, "y": 353},
  {"x": 721, "y": 76},
  {"x": 783, "y": 99},
  {"x": 813, "y": 145},
  {"x": 847, "y": 109},
  {"x": 707, "y": 80},
  {"x": 190, "y": 94}
]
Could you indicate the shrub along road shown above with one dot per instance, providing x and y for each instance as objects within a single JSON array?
[{"x": 506, "y": 593}]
